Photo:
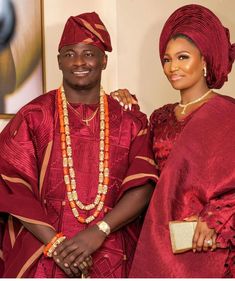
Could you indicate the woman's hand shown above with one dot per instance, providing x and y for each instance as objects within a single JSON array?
[
  {"x": 204, "y": 237},
  {"x": 124, "y": 97},
  {"x": 73, "y": 255}
]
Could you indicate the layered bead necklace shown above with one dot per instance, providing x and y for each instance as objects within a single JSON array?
[{"x": 67, "y": 155}]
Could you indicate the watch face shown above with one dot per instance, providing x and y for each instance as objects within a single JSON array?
[{"x": 103, "y": 226}]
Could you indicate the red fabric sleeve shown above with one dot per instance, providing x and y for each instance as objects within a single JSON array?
[
  {"x": 19, "y": 172},
  {"x": 220, "y": 214},
  {"x": 142, "y": 167}
]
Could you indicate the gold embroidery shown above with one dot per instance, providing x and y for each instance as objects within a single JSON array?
[
  {"x": 22, "y": 227},
  {"x": 87, "y": 41},
  {"x": 16, "y": 180},
  {"x": 1, "y": 255},
  {"x": 44, "y": 165},
  {"x": 142, "y": 132},
  {"x": 100, "y": 26},
  {"x": 138, "y": 176},
  {"x": 89, "y": 27},
  {"x": 149, "y": 160},
  {"x": 11, "y": 231},
  {"x": 33, "y": 221},
  {"x": 30, "y": 261}
]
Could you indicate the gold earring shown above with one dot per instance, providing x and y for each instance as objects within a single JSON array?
[{"x": 205, "y": 71}]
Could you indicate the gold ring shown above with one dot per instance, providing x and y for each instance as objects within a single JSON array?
[
  {"x": 88, "y": 258},
  {"x": 85, "y": 263}
]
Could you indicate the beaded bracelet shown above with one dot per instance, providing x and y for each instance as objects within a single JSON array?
[{"x": 51, "y": 246}]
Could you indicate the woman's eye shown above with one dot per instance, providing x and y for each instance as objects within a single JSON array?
[
  {"x": 165, "y": 60},
  {"x": 183, "y": 57}
]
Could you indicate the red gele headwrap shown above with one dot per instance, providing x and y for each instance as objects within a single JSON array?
[
  {"x": 86, "y": 28},
  {"x": 212, "y": 39}
]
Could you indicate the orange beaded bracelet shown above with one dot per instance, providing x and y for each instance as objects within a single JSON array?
[{"x": 49, "y": 246}]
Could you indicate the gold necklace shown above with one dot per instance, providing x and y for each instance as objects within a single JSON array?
[
  {"x": 84, "y": 120},
  {"x": 192, "y": 102}
]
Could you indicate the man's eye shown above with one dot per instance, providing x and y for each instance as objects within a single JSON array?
[
  {"x": 89, "y": 54},
  {"x": 68, "y": 55}
]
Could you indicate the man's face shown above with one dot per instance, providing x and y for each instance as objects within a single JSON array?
[{"x": 82, "y": 65}]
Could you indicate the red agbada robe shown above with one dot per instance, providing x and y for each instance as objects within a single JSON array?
[
  {"x": 32, "y": 186},
  {"x": 196, "y": 158}
]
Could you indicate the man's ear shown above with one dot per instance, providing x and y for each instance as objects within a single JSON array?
[
  {"x": 105, "y": 61},
  {"x": 58, "y": 59}
]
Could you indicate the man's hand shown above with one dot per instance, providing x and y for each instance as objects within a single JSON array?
[{"x": 73, "y": 255}]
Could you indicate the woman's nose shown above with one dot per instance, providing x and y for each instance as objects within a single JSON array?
[{"x": 174, "y": 66}]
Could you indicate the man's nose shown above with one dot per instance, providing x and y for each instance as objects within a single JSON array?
[{"x": 79, "y": 60}]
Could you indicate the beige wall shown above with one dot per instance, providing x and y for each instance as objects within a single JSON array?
[{"x": 135, "y": 27}]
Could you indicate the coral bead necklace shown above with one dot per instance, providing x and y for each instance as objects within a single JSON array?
[{"x": 67, "y": 155}]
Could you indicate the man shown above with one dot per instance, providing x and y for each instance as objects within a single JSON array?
[{"x": 73, "y": 162}]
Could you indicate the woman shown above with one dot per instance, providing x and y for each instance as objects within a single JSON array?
[{"x": 193, "y": 143}]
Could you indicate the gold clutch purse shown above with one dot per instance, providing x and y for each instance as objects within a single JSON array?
[{"x": 181, "y": 234}]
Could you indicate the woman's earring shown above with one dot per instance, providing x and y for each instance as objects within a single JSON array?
[{"x": 205, "y": 71}]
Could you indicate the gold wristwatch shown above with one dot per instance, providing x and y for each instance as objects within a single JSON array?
[{"x": 103, "y": 226}]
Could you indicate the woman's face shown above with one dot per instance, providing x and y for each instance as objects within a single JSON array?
[{"x": 183, "y": 64}]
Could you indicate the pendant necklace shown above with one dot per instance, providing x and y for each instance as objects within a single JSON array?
[
  {"x": 184, "y": 106},
  {"x": 87, "y": 120}
]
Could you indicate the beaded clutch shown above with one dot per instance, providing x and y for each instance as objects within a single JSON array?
[{"x": 181, "y": 234}]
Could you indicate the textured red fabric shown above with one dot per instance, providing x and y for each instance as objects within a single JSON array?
[
  {"x": 86, "y": 28},
  {"x": 27, "y": 136},
  {"x": 213, "y": 40},
  {"x": 197, "y": 178}
]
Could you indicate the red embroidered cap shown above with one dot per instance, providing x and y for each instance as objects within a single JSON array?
[{"x": 86, "y": 28}]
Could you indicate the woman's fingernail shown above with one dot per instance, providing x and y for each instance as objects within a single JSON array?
[
  {"x": 121, "y": 103},
  {"x": 126, "y": 106},
  {"x": 66, "y": 264},
  {"x": 194, "y": 250},
  {"x": 55, "y": 253},
  {"x": 130, "y": 105}
]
